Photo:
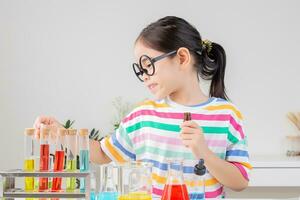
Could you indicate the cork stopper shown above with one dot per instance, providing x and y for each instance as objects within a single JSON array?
[
  {"x": 45, "y": 132},
  {"x": 83, "y": 132},
  {"x": 71, "y": 131},
  {"x": 62, "y": 132},
  {"x": 187, "y": 116},
  {"x": 29, "y": 131}
]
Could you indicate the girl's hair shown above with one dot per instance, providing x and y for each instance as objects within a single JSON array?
[{"x": 170, "y": 33}]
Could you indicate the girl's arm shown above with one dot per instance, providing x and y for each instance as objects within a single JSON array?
[
  {"x": 97, "y": 154},
  {"x": 225, "y": 172}
]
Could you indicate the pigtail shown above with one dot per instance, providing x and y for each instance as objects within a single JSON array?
[{"x": 212, "y": 67}]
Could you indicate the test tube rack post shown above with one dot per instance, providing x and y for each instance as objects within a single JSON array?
[{"x": 8, "y": 190}]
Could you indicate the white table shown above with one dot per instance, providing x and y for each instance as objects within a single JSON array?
[{"x": 275, "y": 171}]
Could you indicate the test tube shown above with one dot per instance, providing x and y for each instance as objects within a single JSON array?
[
  {"x": 44, "y": 157},
  {"x": 71, "y": 141},
  {"x": 84, "y": 155},
  {"x": 52, "y": 150},
  {"x": 59, "y": 159},
  {"x": 29, "y": 157}
]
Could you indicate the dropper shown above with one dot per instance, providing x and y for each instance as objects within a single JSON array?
[{"x": 199, "y": 168}]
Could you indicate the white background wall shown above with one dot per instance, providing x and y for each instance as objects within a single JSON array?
[{"x": 71, "y": 58}]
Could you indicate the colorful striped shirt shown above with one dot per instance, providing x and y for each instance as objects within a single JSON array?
[{"x": 151, "y": 133}]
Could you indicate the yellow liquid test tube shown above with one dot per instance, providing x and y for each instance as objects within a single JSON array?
[
  {"x": 29, "y": 159},
  {"x": 29, "y": 181}
]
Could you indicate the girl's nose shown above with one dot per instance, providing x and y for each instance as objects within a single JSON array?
[{"x": 145, "y": 77}]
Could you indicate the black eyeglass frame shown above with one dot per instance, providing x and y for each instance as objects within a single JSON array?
[{"x": 142, "y": 70}]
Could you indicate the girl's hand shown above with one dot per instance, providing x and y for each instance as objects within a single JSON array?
[
  {"x": 45, "y": 121},
  {"x": 193, "y": 138}
]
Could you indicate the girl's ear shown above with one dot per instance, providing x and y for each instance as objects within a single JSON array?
[{"x": 184, "y": 56}]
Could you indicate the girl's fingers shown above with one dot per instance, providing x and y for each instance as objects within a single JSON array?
[
  {"x": 36, "y": 123},
  {"x": 37, "y": 134},
  {"x": 37, "y": 126},
  {"x": 186, "y": 136},
  {"x": 40, "y": 120},
  {"x": 52, "y": 121},
  {"x": 187, "y": 130},
  {"x": 186, "y": 143},
  {"x": 189, "y": 133},
  {"x": 44, "y": 121},
  {"x": 191, "y": 124}
]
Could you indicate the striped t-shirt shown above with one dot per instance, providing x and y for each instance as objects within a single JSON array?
[{"x": 151, "y": 133}]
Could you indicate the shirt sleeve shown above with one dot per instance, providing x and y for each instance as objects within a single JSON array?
[
  {"x": 118, "y": 147},
  {"x": 237, "y": 148}
]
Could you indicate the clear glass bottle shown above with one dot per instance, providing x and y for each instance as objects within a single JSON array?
[
  {"x": 175, "y": 187},
  {"x": 29, "y": 158}
]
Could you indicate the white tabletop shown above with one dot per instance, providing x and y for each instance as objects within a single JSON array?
[{"x": 274, "y": 161}]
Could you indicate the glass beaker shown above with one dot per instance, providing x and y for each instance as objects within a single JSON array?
[
  {"x": 135, "y": 181},
  {"x": 108, "y": 182},
  {"x": 175, "y": 187}
]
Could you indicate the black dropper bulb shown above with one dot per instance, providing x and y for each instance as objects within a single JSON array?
[{"x": 199, "y": 168}]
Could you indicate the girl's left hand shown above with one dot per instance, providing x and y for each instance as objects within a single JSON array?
[{"x": 193, "y": 138}]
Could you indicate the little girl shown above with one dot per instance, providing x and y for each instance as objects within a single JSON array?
[{"x": 171, "y": 57}]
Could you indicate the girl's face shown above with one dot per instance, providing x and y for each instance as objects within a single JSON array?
[{"x": 166, "y": 79}]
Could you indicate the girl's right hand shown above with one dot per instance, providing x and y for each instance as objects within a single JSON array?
[{"x": 46, "y": 121}]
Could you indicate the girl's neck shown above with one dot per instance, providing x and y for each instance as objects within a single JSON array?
[{"x": 189, "y": 95}]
